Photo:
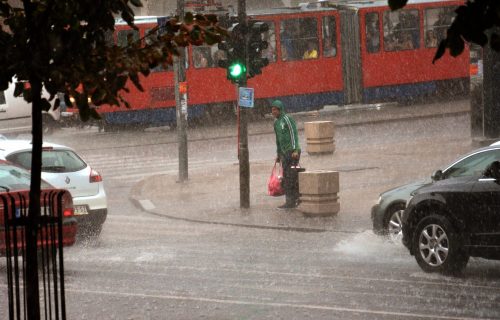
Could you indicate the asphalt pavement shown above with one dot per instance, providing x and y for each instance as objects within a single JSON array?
[{"x": 212, "y": 196}]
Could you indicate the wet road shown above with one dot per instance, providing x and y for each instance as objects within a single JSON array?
[{"x": 147, "y": 267}]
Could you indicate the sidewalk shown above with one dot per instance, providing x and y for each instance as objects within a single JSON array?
[{"x": 212, "y": 196}]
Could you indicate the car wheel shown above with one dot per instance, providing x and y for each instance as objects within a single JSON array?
[
  {"x": 438, "y": 247},
  {"x": 393, "y": 225}
]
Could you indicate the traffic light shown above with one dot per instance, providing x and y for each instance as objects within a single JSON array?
[
  {"x": 235, "y": 59},
  {"x": 256, "y": 46}
]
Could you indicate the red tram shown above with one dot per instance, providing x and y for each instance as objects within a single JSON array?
[{"x": 359, "y": 52}]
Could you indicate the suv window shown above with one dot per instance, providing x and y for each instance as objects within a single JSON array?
[
  {"x": 473, "y": 164},
  {"x": 52, "y": 160}
]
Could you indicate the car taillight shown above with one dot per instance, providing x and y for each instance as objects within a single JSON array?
[
  {"x": 95, "y": 176},
  {"x": 67, "y": 205},
  {"x": 68, "y": 212}
]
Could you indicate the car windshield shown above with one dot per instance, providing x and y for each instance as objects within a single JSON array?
[
  {"x": 15, "y": 178},
  {"x": 472, "y": 165},
  {"x": 52, "y": 160}
]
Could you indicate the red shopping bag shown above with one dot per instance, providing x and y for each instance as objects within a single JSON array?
[{"x": 274, "y": 183}]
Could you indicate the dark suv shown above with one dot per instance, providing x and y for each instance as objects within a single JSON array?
[{"x": 450, "y": 220}]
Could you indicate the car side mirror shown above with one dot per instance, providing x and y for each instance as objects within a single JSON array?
[
  {"x": 492, "y": 171},
  {"x": 437, "y": 175}
]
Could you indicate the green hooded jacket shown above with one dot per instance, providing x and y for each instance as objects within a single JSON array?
[{"x": 287, "y": 137}]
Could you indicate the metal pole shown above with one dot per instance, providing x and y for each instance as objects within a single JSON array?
[
  {"x": 243, "y": 143},
  {"x": 181, "y": 104}
]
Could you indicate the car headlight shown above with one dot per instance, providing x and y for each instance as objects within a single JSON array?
[{"x": 379, "y": 200}]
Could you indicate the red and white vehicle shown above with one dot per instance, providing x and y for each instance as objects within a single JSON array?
[
  {"x": 14, "y": 201},
  {"x": 365, "y": 53}
]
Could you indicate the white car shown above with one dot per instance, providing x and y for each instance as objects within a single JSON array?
[
  {"x": 63, "y": 168},
  {"x": 15, "y": 114}
]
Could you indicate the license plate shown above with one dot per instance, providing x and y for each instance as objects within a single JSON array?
[{"x": 80, "y": 210}]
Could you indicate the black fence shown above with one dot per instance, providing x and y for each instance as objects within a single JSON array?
[{"x": 48, "y": 263}]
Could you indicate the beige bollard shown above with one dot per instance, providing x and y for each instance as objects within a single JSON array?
[
  {"x": 319, "y": 137},
  {"x": 319, "y": 193}
]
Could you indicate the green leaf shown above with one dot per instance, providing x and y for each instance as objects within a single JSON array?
[
  {"x": 27, "y": 95},
  {"x": 135, "y": 80},
  {"x": 172, "y": 26},
  {"x": 136, "y": 3},
  {"x": 94, "y": 114},
  {"x": 397, "y": 4},
  {"x": 199, "y": 17},
  {"x": 188, "y": 18},
  {"x": 495, "y": 42},
  {"x": 67, "y": 101},
  {"x": 212, "y": 18},
  {"x": 57, "y": 103},
  {"x": 212, "y": 38},
  {"x": 146, "y": 70},
  {"x": 5, "y": 9},
  {"x": 440, "y": 51},
  {"x": 195, "y": 34},
  {"x": 98, "y": 95},
  {"x": 18, "y": 89},
  {"x": 456, "y": 45},
  {"x": 45, "y": 105}
]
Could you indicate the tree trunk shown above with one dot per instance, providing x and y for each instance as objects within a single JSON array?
[
  {"x": 33, "y": 300},
  {"x": 32, "y": 284}
]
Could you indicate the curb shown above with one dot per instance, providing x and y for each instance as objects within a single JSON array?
[{"x": 146, "y": 205}]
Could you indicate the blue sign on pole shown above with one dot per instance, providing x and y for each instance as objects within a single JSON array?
[{"x": 246, "y": 97}]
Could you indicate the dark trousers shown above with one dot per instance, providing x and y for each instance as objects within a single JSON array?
[{"x": 290, "y": 178}]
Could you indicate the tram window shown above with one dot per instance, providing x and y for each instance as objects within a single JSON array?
[
  {"x": 270, "y": 37},
  {"x": 299, "y": 39},
  {"x": 401, "y": 30},
  {"x": 207, "y": 56},
  {"x": 329, "y": 37},
  {"x": 437, "y": 21},
  {"x": 372, "y": 32},
  {"x": 148, "y": 38},
  {"x": 217, "y": 55},
  {"x": 124, "y": 35},
  {"x": 201, "y": 57}
]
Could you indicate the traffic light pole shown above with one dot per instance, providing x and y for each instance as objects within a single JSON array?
[
  {"x": 181, "y": 105},
  {"x": 243, "y": 154}
]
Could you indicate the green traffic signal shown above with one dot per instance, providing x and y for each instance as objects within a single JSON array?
[{"x": 236, "y": 70}]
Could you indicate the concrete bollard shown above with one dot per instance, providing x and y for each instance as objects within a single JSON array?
[
  {"x": 319, "y": 193},
  {"x": 319, "y": 137}
]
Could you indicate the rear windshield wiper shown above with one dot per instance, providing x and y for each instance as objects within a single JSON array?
[{"x": 4, "y": 187}]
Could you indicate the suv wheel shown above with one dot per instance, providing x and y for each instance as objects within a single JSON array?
[
  {"x": 392, "y": 222},
  {"x": 438, "y": 247}
]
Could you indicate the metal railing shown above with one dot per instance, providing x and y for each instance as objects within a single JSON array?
[{"x": 49, "y": 234}]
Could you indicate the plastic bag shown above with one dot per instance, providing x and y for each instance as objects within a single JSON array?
[{"x": 274, "y": 187}]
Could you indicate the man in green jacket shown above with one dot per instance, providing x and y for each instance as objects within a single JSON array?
[{"x": 287, "y": 152}]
